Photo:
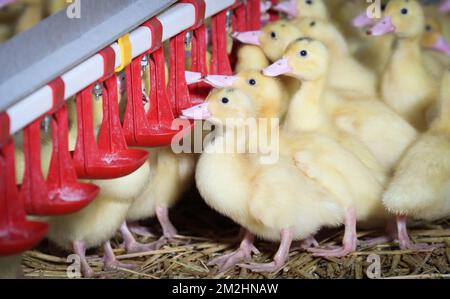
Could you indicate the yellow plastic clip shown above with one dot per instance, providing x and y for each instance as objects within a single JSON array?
[{"x": 126, "y": 55}]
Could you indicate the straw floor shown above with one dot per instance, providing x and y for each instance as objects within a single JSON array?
[{"x": 207, "y": 234}]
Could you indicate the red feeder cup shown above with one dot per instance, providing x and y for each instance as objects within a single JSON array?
[
  {"x": 110, "y": 158},
  {"x": 17, "y": 234}
]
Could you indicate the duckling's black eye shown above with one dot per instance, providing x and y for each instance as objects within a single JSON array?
[
  {"x": 252, "y": 82},
  {"x": 312, "y": 24},
  {"x": 404, "y": 11},
  {"x": 383, "y": 7},
  {"x": 273, "y": 35},
  {"x": 303, "y": 53},
  {"x": 428, "y": 28},
  {"x": 225, "y": 100},
  {"x": 309, "y": 2}
]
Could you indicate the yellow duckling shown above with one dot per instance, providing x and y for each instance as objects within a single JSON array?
[
  {"x": 421, "y": 183},
  {"x": 271, "y": 98},
  {"x": 307, "y": 60},
  {"x": 407, "y": 86},
  {"x": 437, "y": 56},
  {"x": 273, "y": 39},
  {"x": 345, "y": 71},
  {"x": 261, "y": 198},
  {"x": 385, "y": 134}
]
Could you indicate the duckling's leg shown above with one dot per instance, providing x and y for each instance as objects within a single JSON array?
[
  {"x": 349, "y": 241},
  {"x": 80, "y": 250},
  {"x": 140, "y": 230},
  {"x": 132, "y": 246},
  {"x": 109, "y": 259},
  {"x": 280, "y": 257},
  {"x": 243, "y": 254},
  {"x": 404, "y": 240},
  {"x": 389, "y": 236},
  {"x": 169, "y": 231}
]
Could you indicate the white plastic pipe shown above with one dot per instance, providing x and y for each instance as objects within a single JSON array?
[{"x": 175, "y": 20}]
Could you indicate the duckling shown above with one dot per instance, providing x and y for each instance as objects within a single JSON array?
[
  {"x": 10, "y": 267},
  {"x": 437, "y": 55},
  {"x": 345, "y": 71},
  {"x": 407, "y": 86},
  {"x": 421, "y": 183},
  {"x": 269, "y": 94},
  {"x": 385, "y": 134},
  {"x": 262, "y": 198},
  {"x": 273, "y": 39},
  {"x": 307, "y": 60},
  {"x": 373, "y": 51}
]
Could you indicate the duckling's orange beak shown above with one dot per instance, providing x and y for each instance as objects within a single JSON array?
[
  {"x": 199, "y": 112},
  {"x": 383, "y": 27},
  {"x": 218, "y": 81},
  {"x": 278, "y": 68},
  {"x": 445, "y": 7},
  {"x": 248, "y": 37},
  {"x": 192, "y": 77},
  {"x": 288, "y": 7},
  {"x": 442, "y": 45},
  {"x": 362, "y": 20}
]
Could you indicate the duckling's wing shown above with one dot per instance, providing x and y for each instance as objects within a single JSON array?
[{"x": 283, "y": 197}]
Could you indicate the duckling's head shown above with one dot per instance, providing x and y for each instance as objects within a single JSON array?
[
  {"x": 227, "y": 107},
  {"x": 303, "y": 8},
  {"x": 305, "y": 59},
  {"x": 404, "y": 17},
  {"x": 273, "y": 38},
  {"x": 267, "y": 92},
  {"x": 317, "y": 29},
  {"x": 433, "y": 38},
  {"x": 276, "y": 36}
]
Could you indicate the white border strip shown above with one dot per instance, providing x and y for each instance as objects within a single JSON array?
[{"x": 176, "y": 19}]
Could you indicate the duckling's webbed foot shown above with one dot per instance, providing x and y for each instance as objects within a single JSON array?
[
  {"x": 109, "y": 259},
  {"x": 348, "y": 243},
  {"x": 280, "y": 257},
  {"x": 140, "y": 230},
  {"x": 132, "y": 246},
  {"x": 169, "y": 230},
  {"x": 80, "y": 250},
  {"x": 243, "y": 254},
  {"x": 404, "y": 240}
]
